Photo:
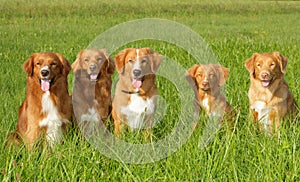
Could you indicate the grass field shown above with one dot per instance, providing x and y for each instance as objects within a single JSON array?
[{"x": 233, "y": 30}]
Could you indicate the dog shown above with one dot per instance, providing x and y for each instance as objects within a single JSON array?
[
  {"x": 134, "y": 102},
  {"x": 47, "y": 108},
  {"x": 206, "y": 81},
  {"x": 269, "y": 96},
  {"x": 91, "y": 97}
]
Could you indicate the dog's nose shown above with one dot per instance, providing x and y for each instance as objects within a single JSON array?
[
  {"x": 92, "y": 67},
  {"x": 44, "y": 73},
  {"x": 137, "y": 72},
  {"x": 204, "y": 83},
  {"x": 264, "y": 75}
]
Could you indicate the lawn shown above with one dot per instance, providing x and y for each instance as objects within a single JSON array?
[{"x": 234, "y": 30}]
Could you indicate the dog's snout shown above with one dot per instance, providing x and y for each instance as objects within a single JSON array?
[
  {"x": 92, "y": 67},
  {"x": 137, "y": 72},
  {"x": 45, "y": 73},
  {"x": 264, "y": 75},
  {"x": 205, "y": 83}
]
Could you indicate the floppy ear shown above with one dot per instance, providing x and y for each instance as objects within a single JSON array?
[
  {"x": 190, "y": 74},
  {"x": 110, "y": 68},
  {"x": 66, "y": 65},
  {"x": 120, "y": 60},
  {"x": 77, "y": 65},
  {"x": 282, "y": 61},
  {"x": 156, "y": 60},
  {"x": 224, "y": 73},
  {"x": 29, "y": 64},
  {"x": 249, "y": 64}
]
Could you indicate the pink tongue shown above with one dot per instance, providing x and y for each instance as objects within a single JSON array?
[
  {"x": 93, "y": 77},
  {"x": 136, "y": 83},
  {"x": 45, "y": 85},
  {"x": 265, "y": 83}
]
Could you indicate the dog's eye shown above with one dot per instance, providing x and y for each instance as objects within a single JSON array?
[
  {"x": 258, "y": 65},
  {"x": 130, "y": 61},
  {"x": 99, "y": 59},
  {"x": 144, "y": 61},
  {"x": 86, "y": 60},
  {"x": 37, "y": 63},
  {"x": 53, "y": 64},
  {"x": 272, "y": 64},
  {"x": 199, "y": 74}
]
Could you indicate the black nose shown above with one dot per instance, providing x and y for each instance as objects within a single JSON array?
[
  {"x": 137, "y": 72},
  {"x": 44, "y": 73},
  {"x": 92, "y": 67}
]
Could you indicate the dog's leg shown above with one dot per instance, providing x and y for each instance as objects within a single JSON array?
[{"x": 117, "y": 124}]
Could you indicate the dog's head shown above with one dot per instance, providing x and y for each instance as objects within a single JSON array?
[
  {"x": 207, "y": 76},
  {"x": 266, "y": 67},
  {"x": 46, "y": 67},
  {"x": 137, "y": 63},
  {"x": 93, "y": 63}
]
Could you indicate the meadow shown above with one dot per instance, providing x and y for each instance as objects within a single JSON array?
[{"x": 234, "y": 30}]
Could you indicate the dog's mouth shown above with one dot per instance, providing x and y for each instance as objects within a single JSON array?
[
  {"x": 265, "y": 83},
  {"x": 45, "y": 84},
  {"x": 94, "y": 77},
  {"x": 205, "y": 88},
  {"x": 137, "y": 82}
]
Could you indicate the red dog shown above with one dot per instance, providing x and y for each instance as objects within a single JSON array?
[{"x": 47, "y": 106}]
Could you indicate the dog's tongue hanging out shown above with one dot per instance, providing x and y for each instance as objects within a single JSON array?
[
  {"x": 93, "y": 76},
  {"x": 265, "y": 83},
  {"x": 45, "y": 85},
  {"x": 136, "y": 83}
]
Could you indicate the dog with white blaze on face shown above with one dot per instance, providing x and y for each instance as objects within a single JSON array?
[
  {"x": 91, "y": 97},
  {"x": 135, "y": 96},
  {"x": 269, "y": 95},
  {"x": 47, "y": 108}
]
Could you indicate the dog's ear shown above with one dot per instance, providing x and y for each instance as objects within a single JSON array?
[
  {"x": 110, "y": 68},
  {"x": 282, "y": 61},
  {"x": 29, "y": 64},
  {"x": 66, "y": 64},
  {"x": 120, "y": 60},
  {"x": 155, "y": 62},
  {"x": 77, "y": 63},
  {"x": 249, "y": 63},
  {"x": 224, "y": 73},
  {"x": 190, "y": 74}
]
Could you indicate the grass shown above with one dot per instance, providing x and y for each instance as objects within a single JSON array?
[{"x": 233, "y": 30}]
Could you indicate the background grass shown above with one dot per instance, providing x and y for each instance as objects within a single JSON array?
[{"x": 233, "y": 29}]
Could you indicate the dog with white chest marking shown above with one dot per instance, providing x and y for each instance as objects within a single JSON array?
[
  {"x": 206, "y": 80},
  {"x": 91, "y": 97},
  {"x": 269, "y": 96},
  {"x": 47, "y": 108},
  {"x": 134, "y": 101}
]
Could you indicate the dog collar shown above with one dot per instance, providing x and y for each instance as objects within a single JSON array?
[{"x": 129, "y": 92}]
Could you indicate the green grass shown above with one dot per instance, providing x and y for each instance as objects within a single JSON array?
[{"x": 234, "y": 31}]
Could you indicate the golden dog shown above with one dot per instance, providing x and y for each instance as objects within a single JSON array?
[
  {"x": 269, "y": 96},
  {"x": 206, "y": 80}
]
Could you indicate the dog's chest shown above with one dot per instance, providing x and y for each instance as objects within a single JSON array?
[
  {"x": 263, "y": 112},
  {"x": 205, "y": 104},
  {"x": 52, "y": 120},
  {"x": 137, "y": 109}
]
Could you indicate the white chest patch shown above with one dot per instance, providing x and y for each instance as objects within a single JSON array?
[
  {"x": 52, "y": 121},
  {"x": 137, "y": 109},
  {"x": 263, "y": 113},
  {"x": 92, "y": 115},
  {"x": 205, "y": 104}
]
